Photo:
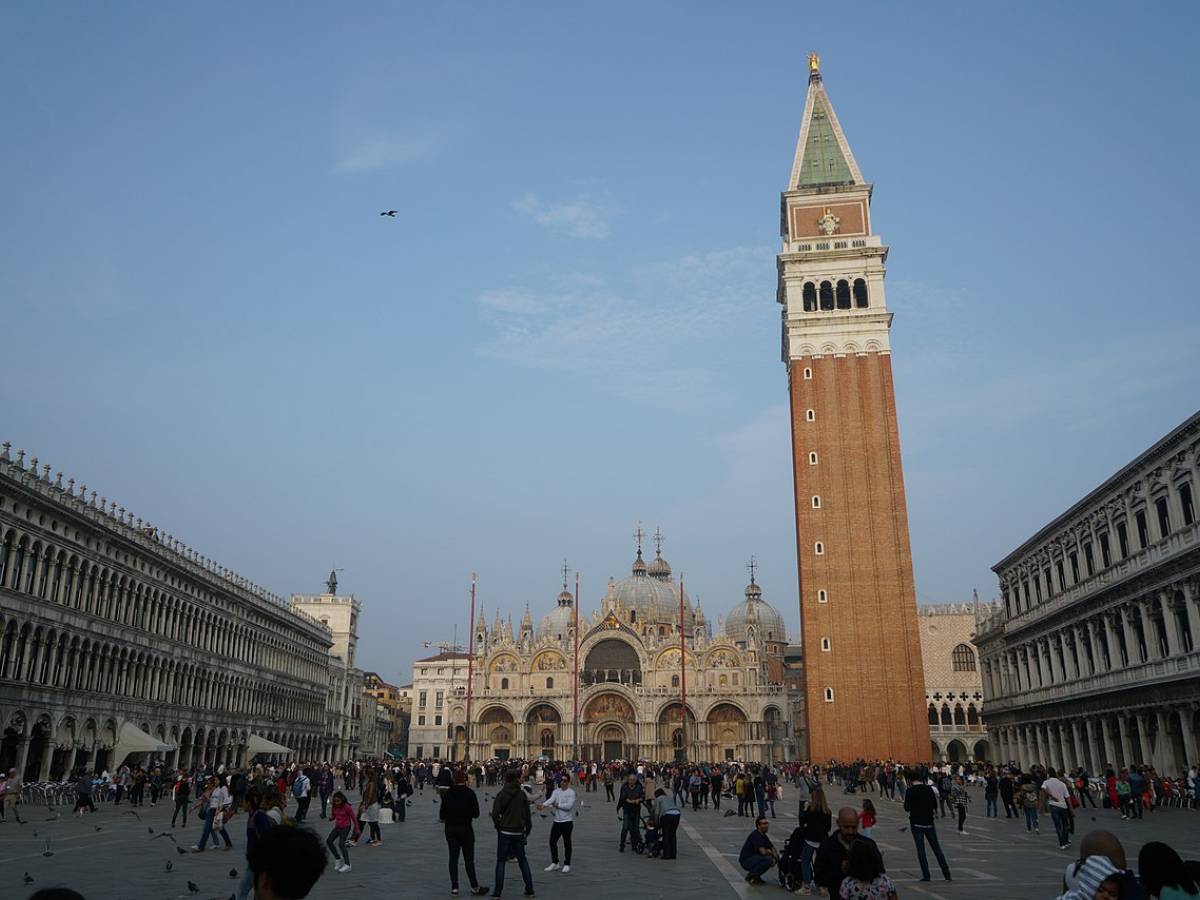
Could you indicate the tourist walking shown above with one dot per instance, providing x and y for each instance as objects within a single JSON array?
[
  {"x": 182, "y": 793},
  {"x": 368, "y": 810},
  {"x": 562, "y": 802},
  {"x": 513, "y": 821},
  {"x": 345, "y": 824},
  {"x": 1057, "y": 798},
  {"x": 867, "y": 818},
  {"x": 921, "y": 804},
  {"x": 214, "y": 808},
  {"x": 458, "y": 810},
  {"x": 302, "y": 790},
  {"x": 667, "y": 815},
  {"x": 1006, "y": 796},
  {"x": 608, "y": 784},
  {"x": 1030, "y": 803},
  {"x": 12, "y": 796},
  {"x": 83, "y": 793},
  {"x": 991, "y": 793}
]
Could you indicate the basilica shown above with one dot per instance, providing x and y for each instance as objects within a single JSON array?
[{"x": 633, "y": 684}]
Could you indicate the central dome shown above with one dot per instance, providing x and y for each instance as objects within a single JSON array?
[
  {"x": 655, "y": 598},
  {"x": 771, "y": 626}
]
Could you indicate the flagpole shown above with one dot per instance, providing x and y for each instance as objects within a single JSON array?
[
  {"x": 470, "y": 669},
  {"x": 575, "y": 680},
  {"x": 682, "y": 674}
]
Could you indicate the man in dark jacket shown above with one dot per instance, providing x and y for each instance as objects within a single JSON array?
[
  {"x": 758, "y": 853},
  {"x": 458, "y": 808},
  {"x": 513, "y": 821},
  {"x": 921, "y": 804},
  {"x": 633, "y": 794},
  {"x": 829, "y": 864}
]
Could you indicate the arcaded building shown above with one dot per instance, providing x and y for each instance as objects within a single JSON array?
[
  {"x": 857, "y": 600},
  {"x": 953, "y": 682},
  {"x": 631, "y": 679},
  {"x": 1093, "y": 656},
  {"x": 119, "y": 641}
]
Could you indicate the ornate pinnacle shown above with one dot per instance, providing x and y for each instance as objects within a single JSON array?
[
  {"x": 20, "y": 459},
  {"x": 7, "y": 445},
  {"x": 46, "y": 473},
  {"x": 58, "y": 480}
]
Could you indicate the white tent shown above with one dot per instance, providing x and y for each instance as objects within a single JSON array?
[
  {"x": 132, "y": 739},
  {"x": 257, "y": 744}
]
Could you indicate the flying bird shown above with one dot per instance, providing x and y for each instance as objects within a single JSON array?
[
  {"x": 170, "y": 837},
  {"x": 390, "y": 212}
]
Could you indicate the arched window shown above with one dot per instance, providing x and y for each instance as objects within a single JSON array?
[
  {"x": 547, "y": 738},
  {"x": 822, "y": 596},
  {"x": 843, "y": 294},
  {"x": 549, "y": 684},
  {"x": 933, "y": 718},
  {"x": 807, "y": 374},
  {"x": 674, "y": 681},
  {"x": 812, "y": 458},
  {"x": 633, "y": 615},
  {"x": 963, "y": 658},
  {"x": 816, "y": 502},
  {"x": 972, "y": 715},
  {"x": 825, "y": 645},
  {"x": 828, "y": 695},
  {"x": 810, "y": 415},
  {"x": 826, "y": 295},
  {"x": 819, "y": 549},
  {"x": 504, "y": 684},
  {"x": 810, "y": 297},
  {"x": 860, "y": 293},
  {"x": 947, "y": 719},
  {"x": 960, "y": 717}
]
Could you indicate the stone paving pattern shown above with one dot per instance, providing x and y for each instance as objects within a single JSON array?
[{"x": 112, "y": 856}]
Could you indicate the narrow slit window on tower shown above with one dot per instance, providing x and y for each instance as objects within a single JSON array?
[
  {"x": 822, "y": 596},
  {"x": 810, "y": 415},
  {"x": 807, "y": 374},
  {"x": 816, "y": 502},
  {"x": 828, "y": 695},
  {"x": 810, "y": 297},
  {"x": 825, "y": 645},
  {"x": 843, "y": 294},
  {"x": 826, "y": 295},
  {"x": 812, "y": 458},
  {"x": 819, "y": 549},
  {"x": 860, "y": 293}
]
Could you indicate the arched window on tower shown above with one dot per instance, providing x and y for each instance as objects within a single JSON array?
[
  {"x": 810, "y": 297},
  {"x": 843, "y": 294},
  {"x": 860, "y": 294},
  {"x": 826, "y": 295},
  {"x": 963, "y": 658}
]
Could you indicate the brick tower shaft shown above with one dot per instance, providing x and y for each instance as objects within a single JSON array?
[{"x": 864, "y": 679}]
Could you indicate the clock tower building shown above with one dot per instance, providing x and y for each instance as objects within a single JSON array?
[{"x": 864, "y": 687}]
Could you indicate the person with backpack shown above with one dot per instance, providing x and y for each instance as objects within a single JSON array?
[
  {"x": 1030, "y": 802},
  {"x": 301, "y": 790},
  {"x": 513, "y": 821}
]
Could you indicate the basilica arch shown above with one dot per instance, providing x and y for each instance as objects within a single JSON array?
[
  {"x": 726, "y": 732},
  {"x": 497, "y": 732},
  {"x": 609, "y": 727}
]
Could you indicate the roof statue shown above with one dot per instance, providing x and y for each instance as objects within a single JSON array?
[
  {"x": 332, "y": 582},
  {"x": 814, "y": 63}
]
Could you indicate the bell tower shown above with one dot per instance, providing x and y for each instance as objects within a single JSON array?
[{"x": 864, "y": 688}]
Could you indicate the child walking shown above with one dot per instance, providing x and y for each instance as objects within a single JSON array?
[
  {"x": 867, "y": 819},
  {"x": 345, "y": 822},
  {"x": 961, "y": 799}
]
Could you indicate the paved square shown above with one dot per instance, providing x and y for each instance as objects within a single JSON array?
[{"x": 113, "y": 855}]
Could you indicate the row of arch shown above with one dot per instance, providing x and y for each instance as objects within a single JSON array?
[
  {"x": 43, "y": 655},
  {"x": 826, "y": 296},
  {"x": 957, "y": 716},
  {"x": 29, "y": 566},
  {"x": 42, "y": 748}
]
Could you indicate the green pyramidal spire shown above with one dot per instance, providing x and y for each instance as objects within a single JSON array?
[{"x": 823, "y": 156}]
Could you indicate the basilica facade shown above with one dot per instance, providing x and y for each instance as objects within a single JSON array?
[{"x": 646, "y": 690}]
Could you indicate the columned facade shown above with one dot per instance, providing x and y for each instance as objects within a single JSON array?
[
  {"x": 115, "y": 638},
  {"x": 1093, "y": 657}
]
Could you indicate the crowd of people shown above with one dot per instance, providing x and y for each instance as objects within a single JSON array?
[{"x": 828, "y": 853}]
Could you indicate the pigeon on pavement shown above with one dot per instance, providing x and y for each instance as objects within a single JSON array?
[
  {"x": 193, "y": 888},
  {"x": 233, "y": 873},
  {"x": 28, "y": 878}
]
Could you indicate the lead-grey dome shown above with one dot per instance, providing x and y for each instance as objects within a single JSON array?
[
  {"x": 771, "y": 626},
  {"x": 655, "y": 598}
]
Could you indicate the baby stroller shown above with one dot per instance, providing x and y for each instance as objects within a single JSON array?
[
  {"x": 789, "y": 860},
  {"x": 652, "y": 838}
]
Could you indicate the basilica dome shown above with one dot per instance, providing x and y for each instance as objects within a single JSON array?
[
  {"x": 771, "y": 626},
  {"x": 655, "y": 598},
  {"x": 557, "y": 623}
]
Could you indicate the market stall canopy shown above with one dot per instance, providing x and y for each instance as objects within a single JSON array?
[
  {"x": 257, "y": 744},
  {"x": 133, "y": 740}
]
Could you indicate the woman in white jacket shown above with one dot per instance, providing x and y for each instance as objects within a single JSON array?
[{"x": 562, "y": 803}]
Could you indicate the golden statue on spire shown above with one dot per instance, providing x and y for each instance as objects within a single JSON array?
[{"x": 814, "y": 63}]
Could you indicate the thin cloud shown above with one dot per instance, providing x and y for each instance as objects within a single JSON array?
[
  {"x": 581, "y": 217},
  {"x": 384, "y": 151}
]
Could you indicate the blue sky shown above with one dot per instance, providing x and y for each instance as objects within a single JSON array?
[{"x": 571, "y": 325}]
